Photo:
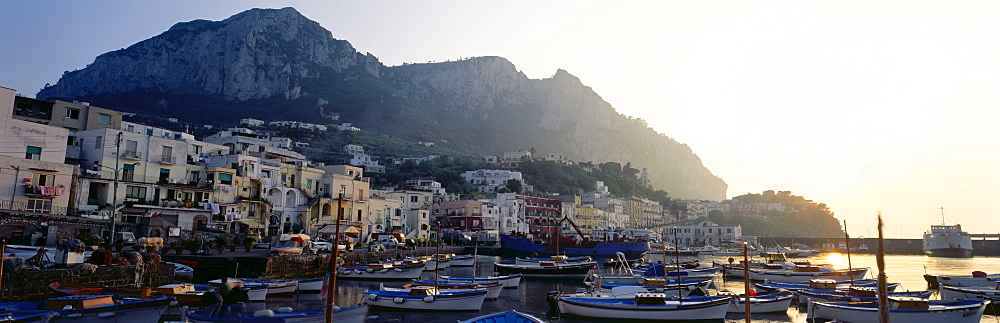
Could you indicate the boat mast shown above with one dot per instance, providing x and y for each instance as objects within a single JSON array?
[
  {"x": 664, "y": 267},
  {"x": 746, "y": 282},
  {"x": 677, "y": 257},
  {"x": 437, "y": 260},
  {"x": 942, "y": 215},
  {"x": 847, "y": 243},
  {"x": 331, "y": 287},
  {"x": 883, "y": 306}
]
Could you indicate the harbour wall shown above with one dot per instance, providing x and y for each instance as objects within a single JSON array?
[
  {"x": 980, "y": 247},
  {"x": 33, "y": 285}
]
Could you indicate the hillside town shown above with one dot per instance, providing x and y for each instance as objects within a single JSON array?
[{"x": 74, "y": 160}]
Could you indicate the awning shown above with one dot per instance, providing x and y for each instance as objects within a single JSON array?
[
  {"x": 251, "y": 223},
  {"x": 331, "y": 229}
]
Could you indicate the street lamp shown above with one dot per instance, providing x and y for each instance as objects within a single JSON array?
[{"x": 114, "y": 198}]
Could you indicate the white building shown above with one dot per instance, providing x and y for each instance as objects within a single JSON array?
[
  {"x": 704, "y": 233},
  {"x": 251, "y": 122},
  {"x": 490, "y": 180}
]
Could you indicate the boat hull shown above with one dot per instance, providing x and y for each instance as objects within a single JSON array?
[
  {"x": 847, "y": 312},
  {"x": 952, "y": 292},
  {"x": 562, "y": 270},
  {"x": 308, "y": 316},
  {"x": 774, "y": 304},
  {"x": 383, "y": 274},
  {"x": 504, "y": 317},
  {"x": 523, "y": 247},
  {"x": 949, "y": 252},
  {"x": 611, "y": 308},
  {"x": 467, "y": 301},
  {"x": 969, "y": 281},
  {"x": 508, "y": 281},
  {"x": 789, "y": 276},
  {"x": 463, "y": 261}
]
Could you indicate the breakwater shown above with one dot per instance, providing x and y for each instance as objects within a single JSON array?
[{"x": 980, "y": 247}]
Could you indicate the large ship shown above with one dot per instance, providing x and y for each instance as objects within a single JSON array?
[{"x": 947, "y": 241}]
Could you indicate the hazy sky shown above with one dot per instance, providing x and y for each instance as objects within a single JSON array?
[{"x": 867, "y": 106}]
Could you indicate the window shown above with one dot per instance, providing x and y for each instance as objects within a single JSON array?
[
  {"x": 104, "y": 119},
  {"x": 413, "y": 199},
  {"x": 33, "y": 153},
  {"x": 40, "y": 205},
  {"x": 309, "y": 183},
  {"x": 99, "y": 143},
  {"x": 135, "y": 192},
  {"x": 167, "y": 153},
  {"x": 73, "y": 114},
  {"x": 226, "y": 179},
  {"x": 131, "y": 147},
  {"x": 43, "y": 179}
]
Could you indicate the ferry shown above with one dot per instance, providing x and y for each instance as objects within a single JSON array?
[{"x": 947, "y": 241}]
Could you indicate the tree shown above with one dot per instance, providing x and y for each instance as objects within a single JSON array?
[{"x": 513, "y": 185}]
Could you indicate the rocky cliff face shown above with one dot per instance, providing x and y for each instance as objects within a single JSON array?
[{"x": 276, "y": 64}]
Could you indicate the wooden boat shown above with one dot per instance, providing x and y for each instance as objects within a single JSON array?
[
  {"x": 973, "y": 292},
  {"x": 908, "y": 310},
  {"x": 427, "y": 298},
  {"x": 766, "y": 287},
  {"x": 807, "y": 273},
  {"x": 493, "y": 289},
  {"x": 94, "y": 308},
  {"x": 556, "y": 259},
  {"x": 976, "y": 279},
  {"x": 380, "y": 271},
  {"x": 462, "y": 260},
  {"x": 275, "y": 287},
  {"x": 548, "y": 269},
  {"x": 509, "y": 281},
  {"x": 770, "y": 303},
  {"x": 355, "y": 314},
  {"x": 504, "y": 317},
  {"x": 853, "y": 294},
  {"x": 310, "y": 285},
  {"x": 182, "y": 271},
  {"x": 90, "y": 289},
  {"x": 186, "y": 294},
  {"x": 290, "y": 244},
  {"x": 660, "y": 285},
  {"x": 258, "y": 291},
  {"x": 646, "y": 306}
]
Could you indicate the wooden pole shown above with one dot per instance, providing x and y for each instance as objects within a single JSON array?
[
  {"x": 331, "y": 272},
  {"x": 883, "y": 306},
  {"x": 746, "y": 282},
  {"x": 3, "y": 252},
  {"x": 437, "y": 260},
  {"x": 847, "y": 239}
]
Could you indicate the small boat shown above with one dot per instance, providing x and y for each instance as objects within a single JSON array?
[
  {"x": 354, "y": 314},
  {"x": 504, "y": 317},
  {"x": 89, "y": 289},
  {"x": 557, "y": 259},
  {"x": 908, "y": 310},
  {"x": 182, "y": 271},
  {"x": 493, "y": 289},
  {"x": 275, "y": 287},
  {"x": 511, "y": 245},
  {"x": 509, "y": 281},
  {"x": 290, "y": 244},
  {"x": 310, "y": 285},
  {"x": 94, "y": 308},
  {"x": 427, "y": 298},
  {"x": 818, "y": 284},
  {"x": 972, "y": 292},
  {"x": 807, "y": 273},
  {"x": 671, "y": 252},
  {"x": 380, "y": 271},
  {"x": 853, "y": 294},
  {"x": 768, "y": 303},
  {"x": 462, "y": 260},
  {"x": 187, "y": 294},
  {"x": 978, "y": 278},
  {"x": 646, "y": 306},
  {"x": 659, "y": 285},
  {"x": 548, "y": 269}
]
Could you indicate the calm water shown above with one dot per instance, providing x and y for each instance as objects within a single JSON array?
[{"x": 530, "y": 296}]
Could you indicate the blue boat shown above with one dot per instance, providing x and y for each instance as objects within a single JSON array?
[
  {"x": 523, "y": 247},
  {"x": 796, "y": 286},
  {"x": 27, "y": 316},
  {"x": 853, "y": 295},
  {"x": 86, "y": 308},
  {"x": 504, "y": 317},
  {"x": 354, "y": 314}
]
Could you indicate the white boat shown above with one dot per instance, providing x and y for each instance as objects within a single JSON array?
[
  {"x": 981, "y": 280},
  {"x": 557, "y": 259},
  {"x": 509, "y": 281},
  {"x": 463, "y": 260},
  {"x": 973, "y": 292},
  {"x": 492, "y": 289},
  {"x": 646, "y": 306},
  {"x": 727, "y": 253},
  {"x": 275, "y": 287},
  {"x": 427, "y": 298},
  {"x": 182, "y": 271},
  {"x": 772, "y": 303},
  {"x": 807, "y": 273},
  {"x": 382, "y": 271},
  {"x": 548, "y": 269},
  {"x": 290, "y": 244},
  {"x": 910, "y": 310},
  {"x": 310, "y": 285},
  {"x": 947, "y": 241}
]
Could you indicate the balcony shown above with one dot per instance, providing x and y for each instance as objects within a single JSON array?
[
  {"x": 38, "y": 190},
  {"x": 135, "y": 155},
  {"x": 167, "y": 159}
]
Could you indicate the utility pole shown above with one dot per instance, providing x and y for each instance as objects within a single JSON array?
[
  {"x": 331, "y": 287},
  {"x": 13, "y": 190},
  {"x": 114, "y": 195}
]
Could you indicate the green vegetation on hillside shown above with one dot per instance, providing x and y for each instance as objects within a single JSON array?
[
  {"x": 552, "y": 177},
  {"x": 800, "y": 217}
]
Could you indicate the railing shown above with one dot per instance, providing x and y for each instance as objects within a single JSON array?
[
  {"x": 5, "y": 205},
  {"x": 131, "y": 155},
  {"x": 167, "y": 159}
]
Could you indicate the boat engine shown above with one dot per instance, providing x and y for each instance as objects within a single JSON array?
[{"x": 552, "y": 298}]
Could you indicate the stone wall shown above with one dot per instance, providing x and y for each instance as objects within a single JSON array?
[
  {"x": 18, "y": 227},
  {"x": 33, "y": 285}
]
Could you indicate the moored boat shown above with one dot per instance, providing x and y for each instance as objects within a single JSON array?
[
  {"x": 519, "y": 246},
  {"x": 463, "y": 260},
  {"x": 504, "y": 317},
  {"x": 310, "y": 285},
  {"x": 557, "y": 259},
  {"x": 659, "y": 285},
  {"x": 95, "y": 308},
  {"x": 27, "y": 316},
  {"x": 770, "y": 303},
  {"x": 427, "y": 298},
  {"x": 973, "y": 292},
  {"x": 380, "y": 271},
  {"x": 947, "y": 241},
  {"x": 902, "y": 310},
  {"x": 807, "y": 273},
  {"x": 493, "y": 289},
  {"x": 853, "y": 294},
  {"x": 977, "y": 278},
  {"x": 508, "y": 281},
  {"x": 646, "y": 306},
  {"x": 818, "y": 284},
  {"x": 548, "y": 269}
]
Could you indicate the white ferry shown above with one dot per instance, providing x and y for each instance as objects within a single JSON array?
[{"x": 947, "y": 241}]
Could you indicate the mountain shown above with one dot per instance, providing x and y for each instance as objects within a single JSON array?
[{"x": 275, "y": 64}]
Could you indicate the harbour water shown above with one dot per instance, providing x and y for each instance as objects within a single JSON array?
[{"x": 529, "y": 297}]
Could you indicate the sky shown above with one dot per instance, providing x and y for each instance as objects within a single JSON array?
[{"x": 867, "y": 106}]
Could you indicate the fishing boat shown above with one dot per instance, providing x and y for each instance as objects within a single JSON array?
[
  {"x": 504, "y": 317},
  {"x": 974, "y": 292},
  {"x": 766, "y": 287},
  {"x": 558, "y": 259},
  {"x": 518, "y": 246},
  {"x": 427, "y": 298},
  {"x": 275, "y": 287},
  {"x": 355, "y": 314},
  {"x": 548, "y": 269},
  {"x": 462, "y": 260},
  {"x": 947, "y": 241},
  {"x": 978, "y": 278},
  {"x": 380, "y": 271},
  {"x": 657, "y": 252},
  {"x": 90, "y": 289},
  {"x": 186, "y": 294},
  {"x": 646, "y": 306},
  {"x": 493, "y": 289},
  {"x": 182, "y": 271},
  {"x": 659, "y": 285},
  {"x": 94, "y": 308},
  {"x": 310, "y": 285},
  {"x": 508, "y": 281},
  {"x": 852, "y": 294},
  {"x": 807, "y": 273},
  {"x": 769, "y": 303},
  {"x": 27, "y": 316},
  {"x": 908, "y": 310}
]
